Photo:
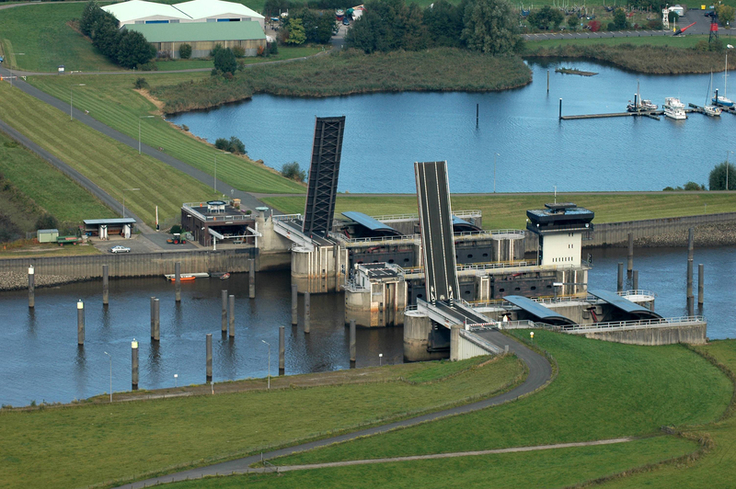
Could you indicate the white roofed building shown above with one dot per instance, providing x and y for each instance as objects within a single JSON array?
[{"x": 142, "y": 12}]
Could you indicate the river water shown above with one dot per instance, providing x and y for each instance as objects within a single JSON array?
[{"x": 386, "y": 133}]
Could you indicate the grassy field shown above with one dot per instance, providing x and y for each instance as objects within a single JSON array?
[
  {"x": 507, "y": 211},
  {"x": 44, "y": 184},
  {"x": 603, "y": 390},
  {"x": 111, "y": 165},
  {"x": 348, "y": 72},
  {"x": 112, "y": 101},
  {"x": 37, "y": 251},
  {"x": 671, "y": 41},
  {"x": 42, "y": 34},
  {"x": 88, "y": 444}
]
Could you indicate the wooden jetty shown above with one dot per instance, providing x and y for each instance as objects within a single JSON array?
[{"x": 652, "y": 114}]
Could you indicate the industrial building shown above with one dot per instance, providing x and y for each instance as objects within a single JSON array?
[{"x": 142, "y": 12}]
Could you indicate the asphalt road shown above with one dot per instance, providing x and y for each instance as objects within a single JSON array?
[{"x": 540, "y": 372}]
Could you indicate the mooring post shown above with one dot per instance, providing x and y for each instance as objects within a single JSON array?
[
  {"x": 477, "y": 113},
  {"x": 306, "y": 312},
  {"x": 153, "y": 319},
  {"x": 209, "y": 357},
  {"x": 620, "y": 278},
  {"x": 547, "y": 81},
  {"x": 251, "y": 278},
  {"x": 31, "y": 287},
  {"x": 156, "y": 319},
  {"x": 560, "y": 116},
  {"x": 232, "y": 315},
  {"x": 635, "y": 280},
  {"x": 701, "y": 284},
  {"x": 134, "y": 364},
  {"x": 352, "y": 342},
  {"x": 224, "y": 311},
  {"x": 177, "y": 278},
  {"x": 282, "y": 350},
  {"x": 105, "y": 285},
  {"x": 690, "y": 249},
  {"x": 691, "y": 306},
  {"x": 630, "y": 265},
  {"x": 294, "y": 304},
  {"x": 80, "y": 322}
]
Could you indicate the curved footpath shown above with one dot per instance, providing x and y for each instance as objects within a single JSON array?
[{"x": 540, "y": 373}]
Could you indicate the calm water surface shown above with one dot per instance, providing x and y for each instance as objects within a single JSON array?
[{"x": 386, "y": 133}]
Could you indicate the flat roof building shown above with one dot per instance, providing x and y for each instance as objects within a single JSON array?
[{"x": 142, "y": 12}]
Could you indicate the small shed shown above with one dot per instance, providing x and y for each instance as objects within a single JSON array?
[
  {"x": 103, "y": 228},
  {"x": 47, "y": 235}
]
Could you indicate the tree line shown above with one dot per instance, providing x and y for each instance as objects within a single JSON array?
[
  {"x": 125, "y": 48},
  {"x": 488, "y": 26}
]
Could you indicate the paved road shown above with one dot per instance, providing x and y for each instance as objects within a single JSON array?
[{"x": 540, "y": 372}]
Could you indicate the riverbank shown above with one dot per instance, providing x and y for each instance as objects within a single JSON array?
[{"x": 352, "y": 72}]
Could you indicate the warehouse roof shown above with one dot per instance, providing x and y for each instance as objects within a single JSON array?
[
  {"x": 199, "y": 9},
  {"x": 139, "y": 9},
  {"x": 199, "y": 31}
]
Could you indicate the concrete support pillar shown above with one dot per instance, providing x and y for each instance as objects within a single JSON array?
[
  {"x": 630, "y": 266},
  {"x": 209, "y": 358},
  {"x": 232, "y": 315},
  {"x": 134, "y": 364},
  {"x": 31, "y": 287},
  {"x": 691, "y": 306},
  {"x": 455, "y": 342},
  {"x": 251, "y": 279},
  {"x": 352, "y": 343},
  {"x": 701, "y": 284},
  {"x": 635, "y": 280},
  {"x": 105, "y": 285},
  {"x": 620, "y": 279},
  {"x": 177, "y": 278},
  {"x": 80, "y": 322},
  {"x": 282, "y": 350},
  {"x": 294, "y": 304},
  {"x": 156, "y": 320},
  {"x": 224, "y": 311},
  {"x": 306, "y": 312}
]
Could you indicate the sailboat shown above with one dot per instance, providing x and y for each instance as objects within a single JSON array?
[
  {"x": 639, "y": 105},
  {"x": 724, "y": 101},
  {"x": 711, "y": 110}
]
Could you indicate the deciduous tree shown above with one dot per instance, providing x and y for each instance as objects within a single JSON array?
[{"x": 490, "y": 27}]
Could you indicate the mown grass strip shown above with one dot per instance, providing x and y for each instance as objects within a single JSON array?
[
  {"x": 503, "y": 211},
  {"x": 113, "y": 166},
  {"x": 113, "y": 101},
  {"x": 89, "y": 444}
]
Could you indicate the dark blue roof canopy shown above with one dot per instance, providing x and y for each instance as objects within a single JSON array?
[
  {"x": 461, "y": 225},
  {"x": 624, "y": 305},
  {"x": 538, "y": 311},
  {"x": 371, "y": 224}
]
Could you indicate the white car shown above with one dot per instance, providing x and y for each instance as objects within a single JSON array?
[{"x": 119, "y": 249}]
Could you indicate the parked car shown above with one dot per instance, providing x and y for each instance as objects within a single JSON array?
[{"x": 119, "y": 249}]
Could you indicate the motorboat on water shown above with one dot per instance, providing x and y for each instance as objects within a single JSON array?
[
  {"x": 674, "y": 109},
  {"x": 639, "y": 105}
]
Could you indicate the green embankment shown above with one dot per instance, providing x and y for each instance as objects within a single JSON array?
[
  {"x": 113, "y": 101},
  {"x": 603, "y": 390},
  {"x": 112, "y": 166},
  {"x": 90, "y": 444},
  {"x": 50, "y": 189},
  {"x": 506, "y": 211},
  {"x": 349, "y": 72},
  {"x": 670, "y": 41}
]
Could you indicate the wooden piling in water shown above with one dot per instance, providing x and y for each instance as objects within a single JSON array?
[
  {"x": 701, "y": 284},
  {"x": 80, "y": 322},
  {"x": 306, "y": 313},
  {"x": 105, "y": 285},
  {"x": 635, "y": 280},
  {"x": 690, "y": 250},
  {"x": 352, "y": 343},
  {"x": 134, "y": 364},
  {"x": 251, "y": 279},
  {"x": 282, "y": 350},
  {"x": 156, "y": 319},
  {"x": 31, "y": 287},
  {"x": 232, "y": 315},
  {"x": 294, "y": 304},
  {"x": 547, "y": 81},
  {"x": 630, "y": 265},
  {"x": 177, "y": 278},
  {"x": 153, "y": 319},
  {"x": 208, "y": 372},
  {"x": 224, "y": 311}
]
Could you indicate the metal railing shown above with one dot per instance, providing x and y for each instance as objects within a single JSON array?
[
  {"x": 221, "y": 216},
  {"x": 640, "y": 292},
  {"x": 646, "y": 323},
  {"x": 404, "y": 217},
  {"x": 287, "y": 217},
  {"x": 352, "y": 286}
]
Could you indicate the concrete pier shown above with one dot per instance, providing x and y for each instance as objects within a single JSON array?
[
  {"x": 620, "y": 278},
  {"x": 80, "y": 323},
  {"x": 701, "y": 284},
  {"x": 153, "y": 320},
  {"x": 177, "y": 278},
  {"x": 352, "y": 342},
  {"x": 416, "y": 338},
  {"x": 630, "y": 265},
  {"x": 31, "y": 287},
  {"x": 251, "y": 279},
  {"x": 232, "y": 315},
  {"x": 306, "y": 313},
  {"x": 224, "y": 311},
  {"x": 294, "y": 304},
  {"x": 156, "y": 320},
  {"x": 209, "y": 358},
  {"x": 134, "y": 364},
  {"x": 105, "y": 285},
  {"x": 282, "y": 350},
  {"x": 694, "y": 334}
]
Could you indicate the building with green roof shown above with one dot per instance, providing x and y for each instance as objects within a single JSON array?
[{"x": 202, "y": 36}]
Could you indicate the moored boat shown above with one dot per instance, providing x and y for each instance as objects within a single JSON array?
[{"x": 674, "y": 109}]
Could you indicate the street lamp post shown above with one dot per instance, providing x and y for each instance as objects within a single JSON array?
[
  {"x": 380, "y": 359},
  {"x": 269, "y": 363},
  {"x": 110, "y": 375},
  {"x": 124, "y": 190},
  {"x": 214, "y": 182},
  {"x": 11, "y": 70},
  {"x": 139, "y": 129},
  {"x": 71, "y": 100},
  {"x": 494, "y": 171}
]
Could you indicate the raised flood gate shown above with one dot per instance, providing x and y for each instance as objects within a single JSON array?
[{"x": 133, "y": 265}]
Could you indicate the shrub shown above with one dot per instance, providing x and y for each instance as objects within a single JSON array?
[
  {"x": 692, "y": 186},
  {"x": 47, "y": 221},
  {"x": 185, "y": 127},
  {"x": 273, "y": 48},
  {"x": 140, "y": 83},
  {"x": 722, "y": 173},
  {"x": 150, "y": 66},
  {"x": 175, "y": 229},
  {"x": 185, "y": 51},
  {"x": 233, "y": 145},
  {"x": 293, "y": 172},
  {"x": 224, "y": 60},
  {"x": 238, "y": 51},
  {"x": 260, "y": 51},
  {"x": 594, "y": 26}
]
